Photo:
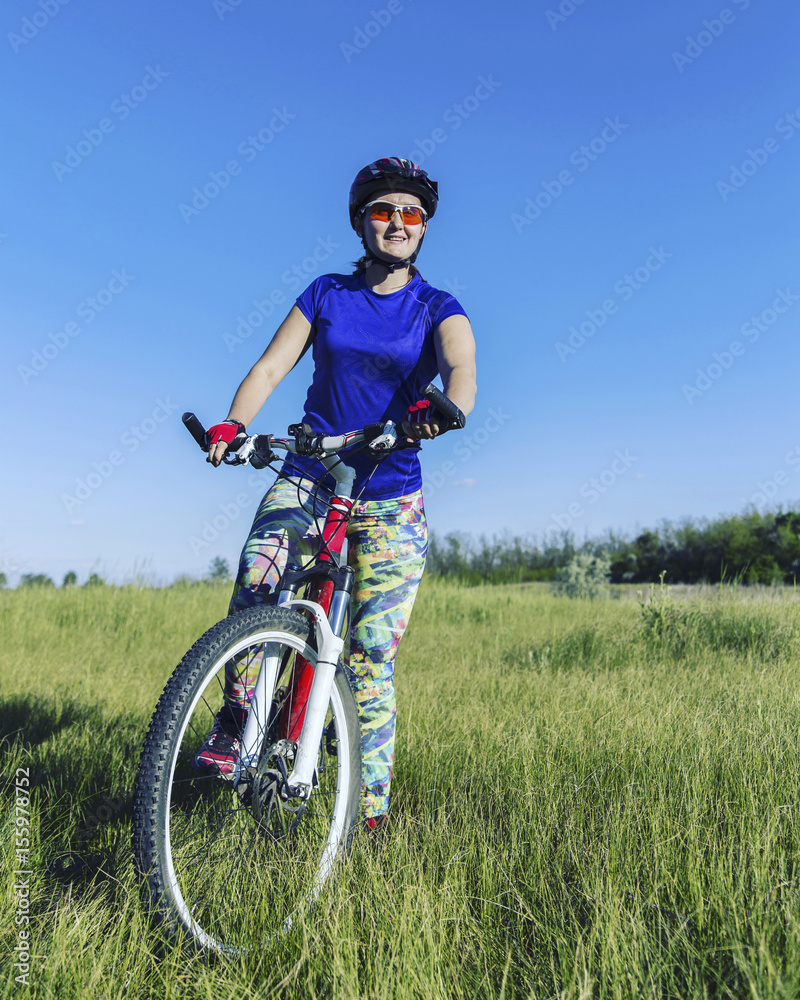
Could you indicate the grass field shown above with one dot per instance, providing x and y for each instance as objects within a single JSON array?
[{"x": 590, "y": 799}]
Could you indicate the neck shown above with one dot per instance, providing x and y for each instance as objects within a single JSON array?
[{"x": 379, "y": 280}]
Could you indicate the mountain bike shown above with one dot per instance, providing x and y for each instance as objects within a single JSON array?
[{"x": 231, "y": 860}]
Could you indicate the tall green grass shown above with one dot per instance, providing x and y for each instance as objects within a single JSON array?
[{"x": 590, "y": 799}]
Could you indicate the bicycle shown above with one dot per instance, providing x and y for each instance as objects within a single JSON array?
[{"x": 226, "y": 859}]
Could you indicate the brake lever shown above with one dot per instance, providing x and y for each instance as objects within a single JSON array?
[
  {"x": 387, "y": 439},
  {"x": 239, "y": 454}
]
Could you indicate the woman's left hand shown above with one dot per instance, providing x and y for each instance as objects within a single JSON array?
[{"x": 421, "y": 422}]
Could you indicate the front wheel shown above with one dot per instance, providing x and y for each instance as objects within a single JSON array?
[{"x": 233, "y": 866}]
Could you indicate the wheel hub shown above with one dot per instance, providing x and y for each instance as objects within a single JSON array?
[{"x": 274, "y": 807}]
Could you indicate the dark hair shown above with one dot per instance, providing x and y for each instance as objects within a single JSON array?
[{"x": 362, "y": 264}]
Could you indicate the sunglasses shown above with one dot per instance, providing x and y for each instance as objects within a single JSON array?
[{"x": 383, "y": 211}]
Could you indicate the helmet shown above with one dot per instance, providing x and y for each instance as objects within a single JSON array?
[{"x": 392, "y": 173}]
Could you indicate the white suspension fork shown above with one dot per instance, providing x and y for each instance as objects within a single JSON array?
[
  {"x": 329, "y": 650},
  {"x": 260, "y": 705}
]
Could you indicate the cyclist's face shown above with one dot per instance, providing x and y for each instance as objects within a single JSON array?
[{"x": 392, "y": 238}]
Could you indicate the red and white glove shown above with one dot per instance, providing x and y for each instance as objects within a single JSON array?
[
  {"x": 226, "y": 431},
  {"x": 420, "y": 412}
]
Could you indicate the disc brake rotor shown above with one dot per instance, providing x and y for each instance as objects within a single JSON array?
[{"x": 276, "y": 811}]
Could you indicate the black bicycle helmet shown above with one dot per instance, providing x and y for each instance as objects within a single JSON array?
[{"x": 392, "y": 173}]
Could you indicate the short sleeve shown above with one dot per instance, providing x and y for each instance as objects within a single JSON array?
[
  {"x": 309, "y": 301},
  {"x": 446, "y": 305}
]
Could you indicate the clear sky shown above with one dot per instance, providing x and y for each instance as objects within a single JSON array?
[{"x": 618, "y": 216}]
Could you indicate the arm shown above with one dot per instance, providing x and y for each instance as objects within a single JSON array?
[
  {"x": 287, "y": 347},
  {"x": 455, "y": 355}
]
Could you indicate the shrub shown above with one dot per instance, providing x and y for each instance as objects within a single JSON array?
[{"x": 585, "y": 575}]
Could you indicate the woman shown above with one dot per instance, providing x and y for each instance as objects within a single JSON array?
[{"x": 378, "y": 337}]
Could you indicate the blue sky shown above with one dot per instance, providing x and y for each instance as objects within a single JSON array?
[{"x": 622, "y": 177}]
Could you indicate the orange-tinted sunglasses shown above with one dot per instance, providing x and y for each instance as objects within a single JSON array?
[{"x": 383, "y": 211}]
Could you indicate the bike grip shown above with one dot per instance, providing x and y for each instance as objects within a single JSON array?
[
  {"x": 195, "y": 428},
  {"x": 445, "y": 406}
]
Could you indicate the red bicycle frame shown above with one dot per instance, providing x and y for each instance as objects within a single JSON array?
[{"x": 321, "y": 592}]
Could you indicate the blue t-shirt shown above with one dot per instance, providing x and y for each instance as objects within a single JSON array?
[{"x": 373, "y": 356}]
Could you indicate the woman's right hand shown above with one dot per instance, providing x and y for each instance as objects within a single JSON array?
[{"x": 219, "y": 438}]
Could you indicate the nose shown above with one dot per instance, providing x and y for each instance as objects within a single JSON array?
[{"x": 396, "y": 220}]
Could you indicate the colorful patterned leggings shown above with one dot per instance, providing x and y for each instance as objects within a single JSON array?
[{"x": 387, "y": 542}]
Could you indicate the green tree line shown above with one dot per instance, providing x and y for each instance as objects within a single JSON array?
[
  {"x": 753, "y": 547},
  {"x": 218, "y": 571}
]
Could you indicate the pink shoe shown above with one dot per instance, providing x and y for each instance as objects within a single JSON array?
[
  {"x": 377, "y": 827},
  {"x": 219, "y": 753}
]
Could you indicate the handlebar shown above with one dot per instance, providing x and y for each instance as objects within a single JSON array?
[
  {"x": 195, "y": 428},
  {"x": 257, "y": 449},
  {"x": 447, "y": 408}
]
